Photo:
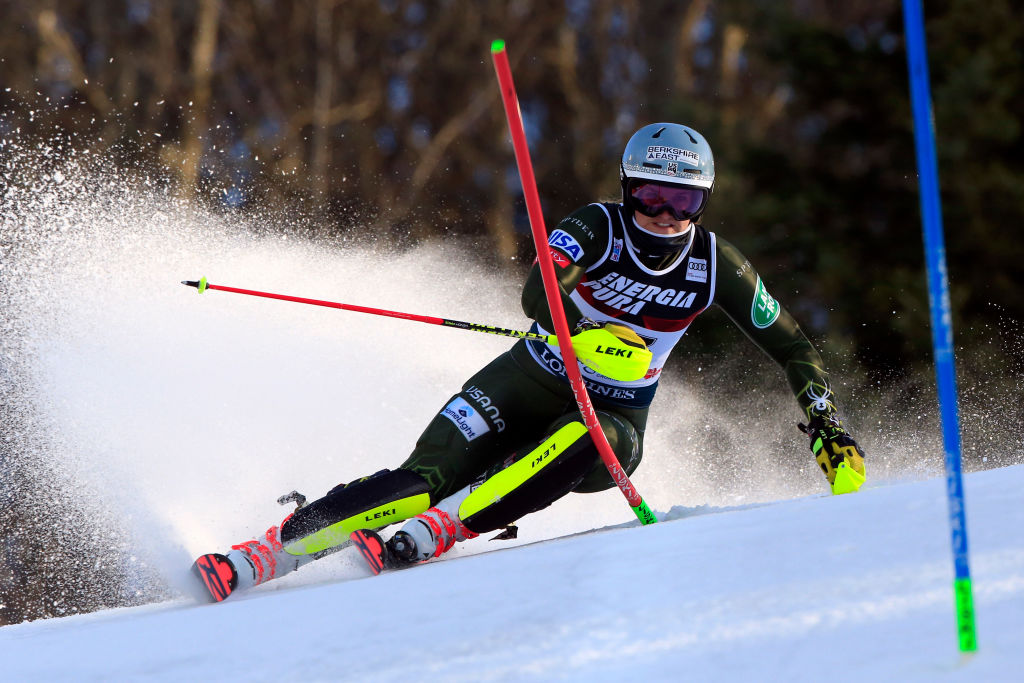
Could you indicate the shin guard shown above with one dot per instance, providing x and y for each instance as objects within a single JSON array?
[
  {"x": 532, "y": 482},
  {"x": 371, "y": 503}
]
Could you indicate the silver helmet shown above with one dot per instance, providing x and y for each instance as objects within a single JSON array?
[{"x": 672, "y": 155}]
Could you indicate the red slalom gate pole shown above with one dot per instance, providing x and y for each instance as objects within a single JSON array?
[{"x": 551, "y": 289}]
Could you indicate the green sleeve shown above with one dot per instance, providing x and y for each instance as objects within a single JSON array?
[
  {"x": 740, "y": 293},
  {"x": 588, "y": 230}
]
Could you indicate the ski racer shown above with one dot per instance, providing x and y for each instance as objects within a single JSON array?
[{"x": 511, "y": 442}]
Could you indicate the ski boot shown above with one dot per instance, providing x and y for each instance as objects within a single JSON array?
[
  {"x": 246, "y": 565},
  {"x": 250, "y": 563},
  {"x": 423, "y": 537}
]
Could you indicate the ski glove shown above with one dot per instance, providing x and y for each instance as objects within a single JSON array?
[{"x": 837, "y": 453}]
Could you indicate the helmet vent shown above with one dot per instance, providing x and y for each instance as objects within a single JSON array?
[
  {"x": 660, "y": 131},
  {"x": 688, "y": 133}
]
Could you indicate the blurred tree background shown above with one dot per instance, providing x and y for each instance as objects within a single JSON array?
[
  {"x": 383, "y": 117},
  {"x": 385, "y": 113}
]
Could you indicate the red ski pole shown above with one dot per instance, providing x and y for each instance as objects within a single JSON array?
[
  {"x": 551, "y": 290},
  {"x": 598, "y": 349},
  {"x": 202, "y": 285}
]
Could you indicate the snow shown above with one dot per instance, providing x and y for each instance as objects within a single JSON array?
[{"x": 848, "y": 588}]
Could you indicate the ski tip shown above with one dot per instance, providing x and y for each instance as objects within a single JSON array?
[
  {"x": 217, "y": 575},
  {"x": 371, "y": 547},
  {"x": 497, "y": 46}
]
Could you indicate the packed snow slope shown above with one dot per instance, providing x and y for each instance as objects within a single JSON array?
[{"x": 846, "y": 588}]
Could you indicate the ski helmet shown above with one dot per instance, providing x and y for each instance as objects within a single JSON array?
[{"x": 665, "y": 166}]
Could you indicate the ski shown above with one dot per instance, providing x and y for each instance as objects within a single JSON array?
[
  {"x": 217, "y": 575},
  {"x": 371, "y": 547}
]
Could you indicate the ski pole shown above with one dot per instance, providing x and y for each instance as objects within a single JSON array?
[
  {"x": 598, "y": 349},
  {"x": 551, "y": 289}
]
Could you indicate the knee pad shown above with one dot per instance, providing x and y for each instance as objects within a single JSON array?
[
  {"x": 369, "y": 503},
  {"x": 624, "y": 441}
]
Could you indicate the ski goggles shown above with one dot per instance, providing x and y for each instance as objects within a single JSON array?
[{"x": 651, "y": 198}]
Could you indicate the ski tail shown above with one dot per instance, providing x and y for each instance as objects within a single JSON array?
[
  {"x": 217, "y": 575},
  {"x": 371, "y": 547}
]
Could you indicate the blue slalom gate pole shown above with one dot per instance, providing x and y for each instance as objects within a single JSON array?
[{"x": 941, "y": 316}]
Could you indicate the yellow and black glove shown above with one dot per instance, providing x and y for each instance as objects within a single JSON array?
[
  {"x": 837, "y": 453},
  {"x": 585, "y": 324}
]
